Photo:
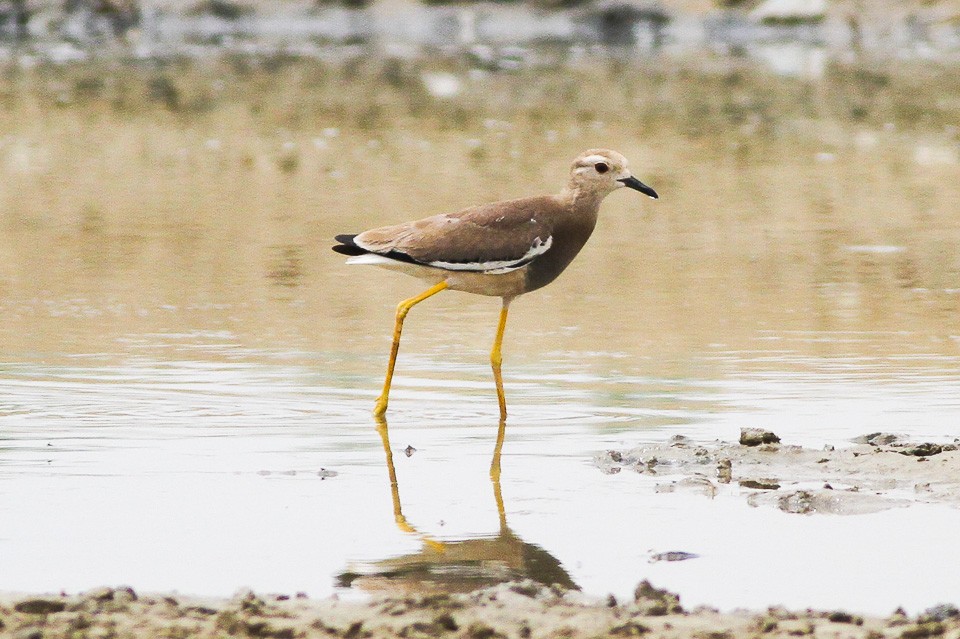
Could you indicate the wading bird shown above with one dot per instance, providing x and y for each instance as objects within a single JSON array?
[{"x": 503, "y": 249}]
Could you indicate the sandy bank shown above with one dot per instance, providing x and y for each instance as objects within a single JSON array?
[{"x": 523, "y": 610}]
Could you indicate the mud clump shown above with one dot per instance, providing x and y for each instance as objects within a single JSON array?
[
  {"x": 878, "y": 472},
  {"x": 757, "y": 436},
  {"x": 40, "y": 606}
]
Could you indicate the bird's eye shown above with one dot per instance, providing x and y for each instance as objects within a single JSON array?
[{"x": 601, "y": 167}]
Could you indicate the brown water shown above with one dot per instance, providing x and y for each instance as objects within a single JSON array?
[{"x": 182, "y": 358}]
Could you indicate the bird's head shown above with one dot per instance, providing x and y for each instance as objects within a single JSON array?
[{"x": 603, "y": 171}]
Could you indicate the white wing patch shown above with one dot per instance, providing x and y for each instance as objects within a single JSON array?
[
  {"x": 499, "y": 267},
  {"x": 371, "y": 258}
]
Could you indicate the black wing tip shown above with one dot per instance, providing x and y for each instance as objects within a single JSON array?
[{"x": 347, "y": 246}]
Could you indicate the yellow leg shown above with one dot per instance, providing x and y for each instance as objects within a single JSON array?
[
  {"x": 496, "y": 358},
  {"x": 402, "y": 309}
]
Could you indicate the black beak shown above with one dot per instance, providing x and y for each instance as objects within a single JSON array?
[{"x": 637, "y": 185}]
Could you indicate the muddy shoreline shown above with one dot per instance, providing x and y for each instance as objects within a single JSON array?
[{"x": 520, "y": 609}]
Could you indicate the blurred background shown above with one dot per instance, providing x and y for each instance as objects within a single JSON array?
[{"x": 176, "y": 167}]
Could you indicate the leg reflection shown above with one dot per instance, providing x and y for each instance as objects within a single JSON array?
[
  {"x": 461, "y": 564},
  {"x": 495, "y": 475},
  {"x": 398, "y": 517}
]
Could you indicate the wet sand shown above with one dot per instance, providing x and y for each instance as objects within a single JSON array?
[
  {"x": 877, "y": 471},
  {"x": 520, "y": 609}
]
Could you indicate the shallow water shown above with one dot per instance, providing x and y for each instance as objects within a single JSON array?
[
  {"x": 187, "y": 370},
  {"x": 206, "y": 476}
]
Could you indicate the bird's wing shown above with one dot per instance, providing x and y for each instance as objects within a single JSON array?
[{"x": 497, "y": 237}]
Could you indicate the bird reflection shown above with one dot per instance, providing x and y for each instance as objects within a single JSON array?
[{"x": 452, "y": 566}]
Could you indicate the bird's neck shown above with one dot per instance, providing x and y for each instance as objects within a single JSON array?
[{"x": 582, "y": 199}]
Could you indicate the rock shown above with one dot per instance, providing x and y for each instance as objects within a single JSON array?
[
  {"x": 629, "y": 629},
  {"x": 124, "y": 594},
  {"x": 766, "y": 624},
  {"x": 898, "y": 618},
  {"x": 248, "y": 601},
  {"x": 656, "y": 601},
  {"x": 757, "y": 436},
  {"x": 103, "y": 593},
  {"x": 441, "y": 624},
  {"x": 480, "y": 630},
  {"x": 40, "y": 606},
  {"x": 877, "y": 439},
  {"x": 446, "y": 622},
  {"x": 724, "y": 471},
  {"x": 609, "y": 462},
  {"x": 409, "y": 451},
  {"x": 923, "y": 630},
  {"x": 840, "y": 616},
  {"x": 527, "y": 588},
  {"x": 263, "y": 628},
  {"x": 925, "y": 449},
  {"x": 940, "y": 612},
  {"x": 760, "y": 484}
]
